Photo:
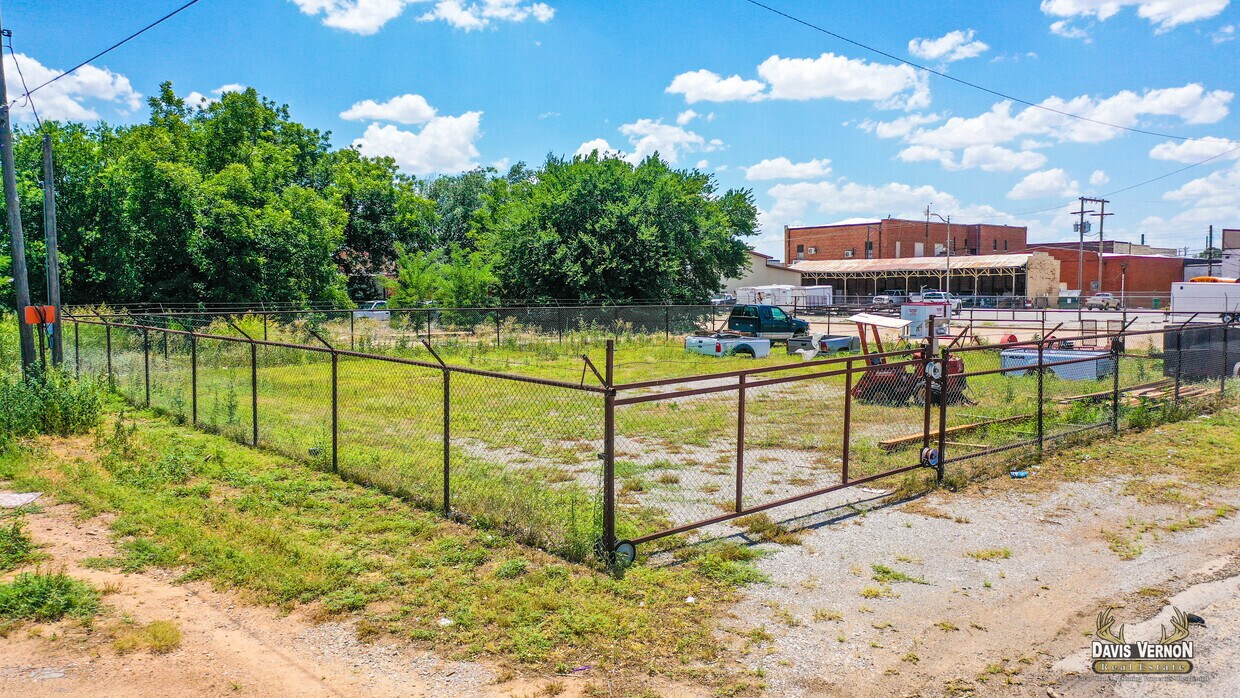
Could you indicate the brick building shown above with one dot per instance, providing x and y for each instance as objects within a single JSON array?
[
  {"x": 894, "y": 238},
  {"x": 1141, "y": 278}
]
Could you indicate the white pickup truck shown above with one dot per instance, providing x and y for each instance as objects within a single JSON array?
[{"x": 728, "y": 344}]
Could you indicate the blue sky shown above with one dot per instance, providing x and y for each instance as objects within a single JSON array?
[{"x": 821, "y": 130}]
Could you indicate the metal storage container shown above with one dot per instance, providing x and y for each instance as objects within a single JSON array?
[{"x": 1103, "y": 364}]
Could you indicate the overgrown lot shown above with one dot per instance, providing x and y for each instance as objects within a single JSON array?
[{"x": 282, "y": 533}]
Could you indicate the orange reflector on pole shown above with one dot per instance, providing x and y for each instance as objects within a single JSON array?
[{"x": 40, "y": 314}]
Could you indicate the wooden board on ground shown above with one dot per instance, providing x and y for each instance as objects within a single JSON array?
[{"x": 911, "y": 439}]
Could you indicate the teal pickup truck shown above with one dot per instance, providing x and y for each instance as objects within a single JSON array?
[{"x": 768, "y": 321}]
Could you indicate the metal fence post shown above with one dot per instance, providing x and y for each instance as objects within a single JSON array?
[
  {"x": 447, "y": 442},
  {"x": 740, "y": 443},
  {"x": 848, "y": 384},
  {"x": 335, "y": 411},
  {"x": 1179, "y": 360},
  {"x": 167, "y": 324},
  {"x": 254, "y": 389},
  {"x": 1041, "y": 393},
  {"x": 1115, "y": 353},
  {"x": 77, "y": 352},
  {"x": 497, "y": 328},
  {"x": 264, "y": 327},
  {"x": 1222, "y": 374},
  {"x": 193, "y": 378},
  {"x": 609, "y": 455},
  {"x": 942, "y": 444},
  {"x": 559, "y": 322},
  {"x": 352, "y": 314},
  {"x": 108, "y": 334},
  {"x": 667, "y": 326},
  {"x": 146, "y": 362}
]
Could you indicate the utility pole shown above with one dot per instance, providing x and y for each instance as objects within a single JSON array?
[
  {"x": 1080, "y": 258},
  {"x": 17, "y": 240},
  {"x": 53, "y": 256},
  {"x": 1102, "y": 219},
  {"x": 1210, "y": 252}
]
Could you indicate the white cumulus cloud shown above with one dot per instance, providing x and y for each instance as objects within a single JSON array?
[
  {"x": 476, "y": 15},
  {"x": 369, "y": 16},
  {"x": 74, "y": 97},
  {"x": 705, "y": 86},
  {"x": 952, "y": 46},
  {"x": 1099, "y": 178},
  {"x": 847, "y": 79},
  {"x": 1163, "y": 14},
  {"x": 686, "y": 116},
  {"x": 783, "y": 168},
  {"x": 402, "y": 109},
  {"x": 1036, "y": 185},
  {"x": 445, "y": 144},
  {"x": 601, "y": 145},
  {"x": 650, "y": 136},
  {"x": 1196, "y": 150}
]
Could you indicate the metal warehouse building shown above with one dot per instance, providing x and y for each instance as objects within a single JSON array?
[{"x": 1031, "y": 274}]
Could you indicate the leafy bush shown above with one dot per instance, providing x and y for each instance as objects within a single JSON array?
[
  {"x": 16, "y": 547},
  {"x": 48, "y": 402},
  {"x": 44, "y": 597}
]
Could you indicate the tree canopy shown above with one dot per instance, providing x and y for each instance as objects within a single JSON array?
[{"x": 234, "y": 201}]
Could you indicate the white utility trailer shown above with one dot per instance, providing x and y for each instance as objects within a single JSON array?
[{"x": 1209, "y": 300}]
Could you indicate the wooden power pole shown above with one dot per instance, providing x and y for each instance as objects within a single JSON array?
[
  {"x": 53, "y": 256},
  {"x": 17, "y": 240}
]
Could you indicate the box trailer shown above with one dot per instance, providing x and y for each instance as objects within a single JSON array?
[
  {"x": 1209, "y": 300},
  {"x": 818, "y": 298},
  {"x": 1102, "y": 365},
  {"x": 786, "y": 296}
]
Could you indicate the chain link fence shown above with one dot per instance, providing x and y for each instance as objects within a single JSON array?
[{"x": 583, "y": 466}]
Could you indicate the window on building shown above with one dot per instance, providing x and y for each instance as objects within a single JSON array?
[
  {"x": 869, "y": 249},
  {"x": 800, "y": 251},
  {"x": 995, "y": 246},
  {"x": 919, "y": 249},
  {"x": 897, "y": 248},
  {"x": 1005, "y": 245}
]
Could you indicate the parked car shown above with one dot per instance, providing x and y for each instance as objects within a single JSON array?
[
  {"x": 723, "y": 299},
  {"x": 727, "y": 344},
  {"x": 768, "y": 321},
  {"x": 893, "y": 298},
  {"x": 1102, "y": 301},
  {"x": 941, "y": 297},
  {"x": 374, "y": 310}
]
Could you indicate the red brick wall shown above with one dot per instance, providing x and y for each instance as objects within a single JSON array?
[
  {"x": 892, "y": 238},
  {"x": 1145, "y": 274}
]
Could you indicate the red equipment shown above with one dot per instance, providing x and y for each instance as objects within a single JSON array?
[{"x": 895, "y": 385}]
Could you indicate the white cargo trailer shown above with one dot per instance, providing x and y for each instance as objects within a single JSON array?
[
  {"x": 1209, "y": 300},
  {"x": 818, "y": 297},
  {"x": 784, "y": 295}
]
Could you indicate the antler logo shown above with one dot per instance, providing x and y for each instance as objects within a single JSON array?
[{"x": 1114, "y": 655}]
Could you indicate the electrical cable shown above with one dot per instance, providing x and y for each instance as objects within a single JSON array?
[
  {"x": 30, "y": 100},
  {"x": 109, "y": 49},
  {"x": 960, "y": 81}
]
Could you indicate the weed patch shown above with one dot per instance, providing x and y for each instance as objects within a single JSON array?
[{"x": 41, "y": 596}]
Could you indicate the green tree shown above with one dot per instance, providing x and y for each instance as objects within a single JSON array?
[{"x": 602, "y": 230}]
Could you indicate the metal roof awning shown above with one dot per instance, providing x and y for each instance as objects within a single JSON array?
[
  {"x": 892, "y": 323},
  {"x": 966, "y": 264}
]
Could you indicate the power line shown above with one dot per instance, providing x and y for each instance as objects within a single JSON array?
[
  {"x": 960, "y": 81},
  {"x": 8, "y": 34},
  {"x": 109, "y": 49},
  {"x": 1133, "y": 186}
]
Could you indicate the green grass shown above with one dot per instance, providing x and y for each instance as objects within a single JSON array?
[
  {"x": 282, "y": 533},
  {"x": 524, "y": 456},
  {"x": 16, "y": 546},
  {"x": 41, "y": 596},
  {"x": 886, "y": 575},
  {"x": 156, "y": 637}
]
